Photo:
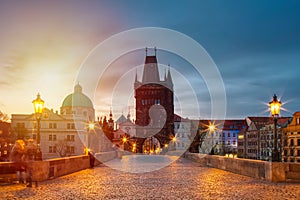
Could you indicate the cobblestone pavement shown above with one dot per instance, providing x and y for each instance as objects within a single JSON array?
[{"x": 183, "y": 179}]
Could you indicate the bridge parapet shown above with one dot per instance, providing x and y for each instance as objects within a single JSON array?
[{"x": 270, "y": 171}]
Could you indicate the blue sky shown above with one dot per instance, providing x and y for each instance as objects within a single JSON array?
[{"x": 255, "y": 45}]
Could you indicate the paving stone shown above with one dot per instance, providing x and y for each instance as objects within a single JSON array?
[{"x": 183, "y": 179}]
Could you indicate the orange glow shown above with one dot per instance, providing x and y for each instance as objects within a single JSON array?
[
  {"x": 38, "y": 104},
  {"x": 166, "y": 145},
  {"x": 92, "y": 126},
  {"x": 275, "y": 106},
  {"x": 174, "y": 139},
  {"x": 124, "y": 139},
  {"x": 211, "y": 127}
]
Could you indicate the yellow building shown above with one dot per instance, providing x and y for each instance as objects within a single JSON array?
[{"x": 291, "y": 140}]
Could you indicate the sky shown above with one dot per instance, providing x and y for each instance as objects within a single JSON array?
[{"x": 254, "y": 44}]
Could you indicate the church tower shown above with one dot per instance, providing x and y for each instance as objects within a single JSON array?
[{"x": 152, "y": 93}]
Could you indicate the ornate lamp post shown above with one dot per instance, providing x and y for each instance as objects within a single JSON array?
[
  {"x": 91, "y": 127},
  {"x": 275, "y": 111},
  {"x": 38, "y": 104}
]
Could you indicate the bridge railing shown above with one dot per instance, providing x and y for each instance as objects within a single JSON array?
[
  {"x": 52, "y": 168},
  {"x": 270, "y": 171}
]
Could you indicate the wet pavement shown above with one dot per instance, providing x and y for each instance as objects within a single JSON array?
[{"x": 183, "y": 179}]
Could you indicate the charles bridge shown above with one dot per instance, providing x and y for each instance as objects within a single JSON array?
[{"x": 190, "y": 176}]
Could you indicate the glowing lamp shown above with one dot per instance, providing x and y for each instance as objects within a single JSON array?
[
  {"x": 211, "y": 127},
  {"x": 38, "y": 104},
  {"x": 275, "y": 106},
  {"x": 91, "y": 126},
  {"x": 124, "y": 139}
]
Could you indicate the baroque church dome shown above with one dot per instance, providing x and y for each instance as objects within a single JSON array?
[{"x": 77, "y": 99}]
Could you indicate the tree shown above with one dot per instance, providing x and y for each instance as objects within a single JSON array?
[
  {"x": 3, "y": 117},
  {"x": 62, "y": 148}
]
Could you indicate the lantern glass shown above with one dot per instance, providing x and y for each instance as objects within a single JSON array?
[
  {"x": 38, "y": 105},
  {"x": 275, "y": 106}
]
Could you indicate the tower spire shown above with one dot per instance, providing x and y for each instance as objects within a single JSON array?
[
  {"x": 136, "y": 79},
  {"x": 169, "y": 77},
  {"x": 150, "y": 73}
]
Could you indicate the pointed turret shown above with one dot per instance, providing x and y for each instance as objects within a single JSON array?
[
  {"x": 136, "y": 79},
  {"x": 169, "y": 78},
  {"x": 150, "y": 74}
]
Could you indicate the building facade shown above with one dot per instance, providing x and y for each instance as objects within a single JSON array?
[
  {"x": 230, "y": 131},
  {"x": 64, "y": 134},
  {"x": 291, "y": 140}
]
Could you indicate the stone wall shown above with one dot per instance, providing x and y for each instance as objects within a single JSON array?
[
  {"x": 271, "y": 171},
  {"x": 52, "y": 168},
  {"x": 105, "y": 156}
]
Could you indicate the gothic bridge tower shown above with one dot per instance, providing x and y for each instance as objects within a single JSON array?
[{"x": 156, "y": 96}]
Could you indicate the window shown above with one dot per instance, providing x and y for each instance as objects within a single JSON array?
[
  {"x": 298, "y": 152},
  {"x": 70, "y": 126},
  {"x": 298, "y": 142},
  {"x": 50, "y": 137},
  {"x": 292, "y": 152},
  {"x": 70, "y": 138},
  {"x": 228, "y": 142},
  {"x": 292, "y": 142},
  {"x": 72, "y": 149},
  {"x": 52, "y": 149},
  {"x": 50, "y": 125},
  {"x": 228, "y": 135},
  {"x": 234, "y": 135},
  {"x": 297, "y": 121},
  {"x": 54, "y": 125},
  {"x": 54, "y": 137},
  {"x": 285, "y": 152}
]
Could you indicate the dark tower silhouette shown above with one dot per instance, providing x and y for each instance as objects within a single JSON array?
[{"x": 153, "y": 93}]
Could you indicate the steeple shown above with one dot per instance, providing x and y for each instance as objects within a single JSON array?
[
  {"x": 169, "y": 78},
  {"x": 150, "y": 74},
  {"x": 136, "y": 79}
]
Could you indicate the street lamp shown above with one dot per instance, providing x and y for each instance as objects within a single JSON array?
[
  {"x": 275, "y": 111},
  {"x": 91, "y": 127},
  {"x": 38, "y": 105}
]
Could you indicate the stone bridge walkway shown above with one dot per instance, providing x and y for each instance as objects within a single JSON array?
[{"x": 183, "y": 179}]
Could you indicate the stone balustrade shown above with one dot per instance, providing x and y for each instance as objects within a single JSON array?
[
  {"x": 270, "y": 171},
  {"x": 52, "y": 168}
]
